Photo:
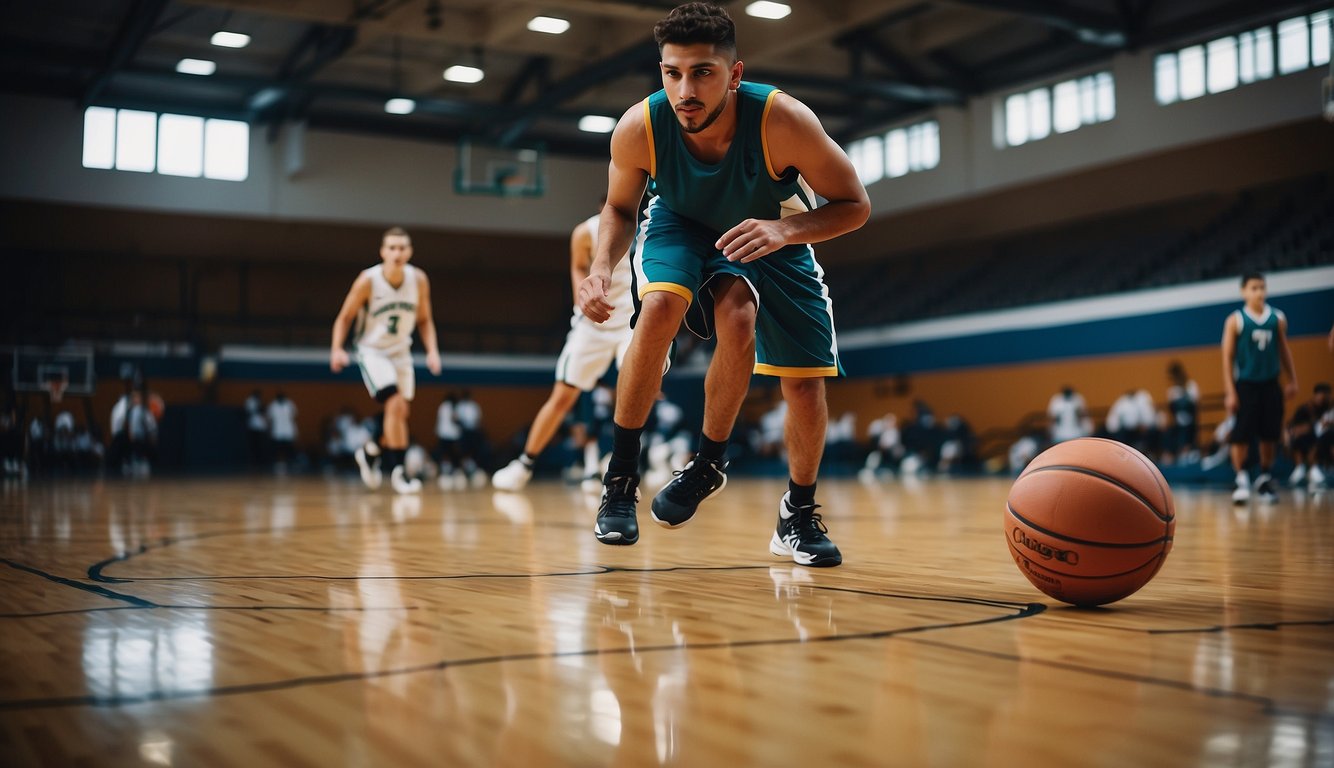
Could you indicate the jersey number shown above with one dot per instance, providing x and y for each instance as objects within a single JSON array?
[
  {"x": 393, "y": 326},
  {"x": 1261, "y": 338}
]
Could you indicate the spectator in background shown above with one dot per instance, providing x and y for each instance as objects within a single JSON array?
[
  {"x": 1130, "y": 420},
  {"x": 119, "y": 455},
  {"x": 959, "y": 451},
  {"x": 1024, "y": 450},
  {"x": 472, "y": 443},
  {"x": 257, "y": 429},
  {"x": 282, "y": 431},
  {"x": 1309, "y": 438},
  {"x": 922, "y": 439},
  {"x": 11, "y": 438},
  {"x": 1067, "y": 416},
  {"x": 448, "y": 436},
  {"x": 1181, "y": 441},
  {"x": 885, "y": 449},
  {"x": 141, "y": 425}
]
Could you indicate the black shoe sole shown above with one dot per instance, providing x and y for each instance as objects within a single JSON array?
[
  {"x": 653, "y": 508},
  {"x": 620, "y": 540}
]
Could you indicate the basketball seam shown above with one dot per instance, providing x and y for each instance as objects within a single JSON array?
[
  {"x": 1110, "y": 479},
  {"x": 1159, "y": 556},
  {"x": 1167, "y": 499},
  {"x": 1112, "y": 545}
]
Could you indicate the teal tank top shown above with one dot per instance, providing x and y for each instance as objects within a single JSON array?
[
  {"x": 741, "y": 186},
  {"x": 1257, "y": 346}
]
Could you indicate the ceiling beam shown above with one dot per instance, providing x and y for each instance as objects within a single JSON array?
[
  {"x": 1089, "y": 27},
  {"x": 134, "y": 30},
  {"x": 627, "y": 62},
  {"x": 891, "y": 90}
]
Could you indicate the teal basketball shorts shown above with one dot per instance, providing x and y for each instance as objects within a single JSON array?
[{"x": 794, "y": 327}]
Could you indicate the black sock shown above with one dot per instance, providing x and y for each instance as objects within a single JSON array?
[
  {"x": 800, "y": 495},
  {"x": 624, "y": 451},
  {"x": 711, "y": 450}
]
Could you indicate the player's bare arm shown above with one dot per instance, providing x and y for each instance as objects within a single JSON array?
[
  {"x": 357, "y": 298},
  {"x": 797, "y": 140},
  {"x": 1285, "y": 359},
  {"x": 627, "y": 175},
  {"x": 426, "y": 323},
  {"x": 581, "y": 257},
  {"x": 1229, "y": 362}
]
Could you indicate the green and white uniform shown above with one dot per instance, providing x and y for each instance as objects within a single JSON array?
[
  {"x": 384, "y": 344},
  {"x": 693, "y": 203}
]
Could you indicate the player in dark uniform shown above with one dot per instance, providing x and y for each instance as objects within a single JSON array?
[
  {"x": 734, "y": 169},
  {"x": 1255, "y": 348}
]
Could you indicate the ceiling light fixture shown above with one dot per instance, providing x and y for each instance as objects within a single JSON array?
[
  {"x": 597, "y": 123},
  {"x": 548, "y": 24},
  {"x": 230, "y": 39},
  {"x": 763, "y": 9},
  {"x": 461, "y": 73},
  {"x": 400, "y": 106},
  {"x": 196, "y": 67}
]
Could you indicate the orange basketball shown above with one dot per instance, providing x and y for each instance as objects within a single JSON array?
[{"x": 1090, "y": 521}]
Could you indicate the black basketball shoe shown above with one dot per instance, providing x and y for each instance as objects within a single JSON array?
[
  {"x": 801, "y": 536},
  {"x": 676, "y": 503},
  {"x": 616, "y": 516}
]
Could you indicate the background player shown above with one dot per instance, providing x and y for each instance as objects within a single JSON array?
[
  {"x": 589, "y": 351},
  {"x": 391, "y": 297},
  {"x": 1255, "y": 348},
  {"x": 735, "y": 169}
]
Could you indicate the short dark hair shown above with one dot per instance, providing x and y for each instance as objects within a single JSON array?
[
  {"x": 693, "y": 23},
  {"x": 395, "y": 232},
  {"x": 1249, "y": 276},
  {"x": 1322, "y": 387}
]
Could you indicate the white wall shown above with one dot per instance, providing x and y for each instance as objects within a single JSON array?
[
  {"x": 344, "y": 177},
  {"x": 970, "y": 162},
  {"x": 360, "y": 179}
]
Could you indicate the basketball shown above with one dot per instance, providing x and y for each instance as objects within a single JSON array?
[{"x": 1090, "y": 521}]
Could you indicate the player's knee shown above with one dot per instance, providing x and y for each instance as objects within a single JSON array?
[
  {"x": 660, "y": 314},
  {"x": 396, "y": 406},
  {"x": 806, "y": 392}
]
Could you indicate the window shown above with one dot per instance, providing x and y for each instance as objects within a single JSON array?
[
  {"x": 897, "y": 153},
  {"x": 1228, "y": 62},
  {"x": 1034, "y": 115},
  {"x": 172, "y": 145}
]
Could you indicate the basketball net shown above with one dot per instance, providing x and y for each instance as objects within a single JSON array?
[{"x": 55, "y": 388}]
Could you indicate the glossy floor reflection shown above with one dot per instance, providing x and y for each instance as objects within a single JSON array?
[{"x": 309, "y": 622}]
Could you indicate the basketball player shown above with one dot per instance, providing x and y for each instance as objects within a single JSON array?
[
  {"x": 589, "y": 351},
  {"x": 391, "y": 298},
  {"x": 735, "y": 168},
  {"x": 1255, "y": 348}
]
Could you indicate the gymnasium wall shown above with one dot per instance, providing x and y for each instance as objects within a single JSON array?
[{"x": 359, "y": 179}]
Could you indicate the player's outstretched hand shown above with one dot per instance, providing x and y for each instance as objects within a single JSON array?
[
  {"x": 337, "y": 359},
  {"x": 433, "y": 362},
  {"x": 593, "y": 297}
]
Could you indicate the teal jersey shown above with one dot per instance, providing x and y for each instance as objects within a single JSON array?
[
  {"x": 1257, "y": 345},
  {"x": 744, "y": 185}
]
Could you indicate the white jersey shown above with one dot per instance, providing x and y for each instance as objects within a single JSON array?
[
  {"x": 391, "y": 314},
  {"x": 618, "y": 294}
]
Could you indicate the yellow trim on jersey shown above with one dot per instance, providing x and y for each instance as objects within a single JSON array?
[
  {"x": 679, "y": 290},
  {"x": 796, "y": 373},
  {"x": 764, "y": 133},
  {"x": 652, "y": 153}
]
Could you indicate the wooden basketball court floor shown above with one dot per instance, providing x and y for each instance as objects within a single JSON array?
[{"x": 308, "y": 622}]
